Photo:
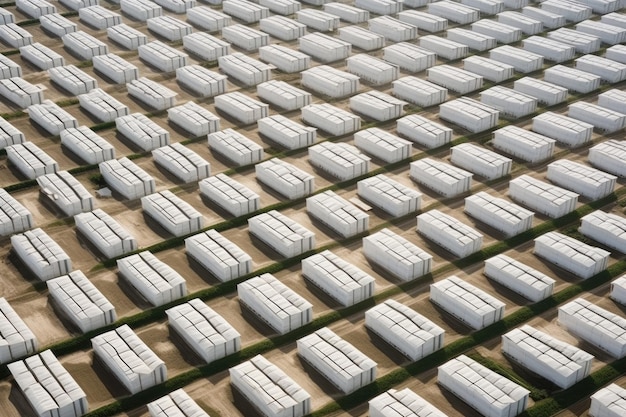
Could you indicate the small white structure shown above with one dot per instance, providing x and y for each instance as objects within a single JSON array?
[
  {"x": 331, "y": 119},
  {"x": 502, "y": 32},
  {"x": 245, "y": 11},
  {"x": 423, "y": 131},
  {"x": 550, "y": 49},
  {"x": 169, "y": 27},
  {"x": 339, "y": 159},
  {"x": 16, "y": 339},
  {"x": 14, "y": 217},
  {"x": 318, "y": 20},
  {"x": 338, "y": 214},
  {"x": 285, "y": 178},
  {"x": 403, "y": 403},
  {"x": 73, "y": 79},
  {"x": 115, "y": 68},
  {"x": 414, "y": 335},
  {"x": 470, "y": 114},
  {"x": 99, "y": 17},
  {"x": 584, "y": 43},
  {"x": 571, "y": 254},
  {"x": 232, "y": 196},
  {"x": 182, "y": 162},
  {"x": 550, "y": 20},
  {"x": 132, "y": 362},
  {"x": 154, "y": 280},
  {"x": 392, "y": 29},
  {"x": 127, "y": 36},
  {"x": 204, "y": 330},
  {"x": 362, "y": 38},
  {"x": 520, "y": 278},
  {"x": 51, "y": 117},
  {"x": 527, "y": 24},
  {"x": 330, "y": 82},
  {"x": 161, "y": 56},
  {"x": 523, "y": 61},
  {"x": 324, "y": 48},
  {"x": 474, "y": 40},
  {"x": 66, "y": 193},
  {"x": 30, "y": 160},
  {"x": 424, "y": 21},
  {"x": 397, "y": 255},
  {"x": 609, "y": 70},
  {"x": 608, "y": 34},
  {"x": 546, "y": 93},
  {"x": 194, "y": 118},
  {"x": 15, "y": 36},
  {"x": 21, "y": 92},
  {"x": 509, "y": 101},
  {"x": 141, "y": 10},
  {"x": 523, "y": 144},
  {"x": 81, "y": 302},
  {"x": 444, "y": 48},
  {"x": 105, "y": 233},
  {"x": 282, "y": 27},
  {"x": 389, "y": 195},
  {"x": 420, "y": 92},
  {"x": 127, "y": 178},
  {"x": 488, "y": 7},
  {"x": 208, "y": 19},
  {"x": 467, "y": 303},
  {"x": 142, "y": 132},
  {"x": 566, "y": 130},
  {"x": 286, "y": 132},
  {"x": 236, "y": 147},
  {"x": 269, "y": 389},
  {"x": 610, "y": 157},
  {"x": 608, "y": 402},
  {"x": 498, "y": 213},
  {"x": 221, "y": 257},
  {"x": 9, "y": 135},
  {"x": 343, "y": 365},
  {"x": 176, "y": 403},
  {"x": 343, "y": 281},
  {"x": 173, "y": 213},
  {"x": 559, "y": 362},
  {"x": 371, "y": 69},
  {"x": 35, "y": 8},
  {"x": 381, "y": 7},
  {"x": 606, "y": 228},
  {"x": 543, "y": 197},
  {"x": 595, "y": 325},
  {"x": 285, "y": 59},
  {"x": 241, "y": 107},
  {"x": 274, "y": 303},
  {"x": 614, "y": 19},
  {"x": 572, "y": 12},
  {"x": 8, "y": 68},
  {"x": 281, "y": 233},
  {"x": 152, "y": 93},
  {"x": 480, "y": 161},
  {"x": 347, "y": 12},
  {"x": 282, "y": 7},
  {"x": 582, "y": 179},
  {"x": 202, "y": 81},
  {"x": 42, "y": 255},
  {"x": 245, "y": 37},
  {"x": 572, "y": 79},
  {"x": 84, "y": 45},
  {"x": 455, "y": 12},
  {"x": 6, "y": 17},
  {"x": 48, "y": 387},
  {"x": 41, "y": 56},
  {"x": 409, "y": 57},
  {"x": 383, "y": 145},
  {"x": 601, "y": 118},
  {"x": 449, "y": 233},
  {"x": 205, "y": 46},
  {"x": 443, "y": 178},
  {"x": 102, "y": 106},
  {"x": 244, "y": 69},
  {"x": 377, "y": 106}
]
